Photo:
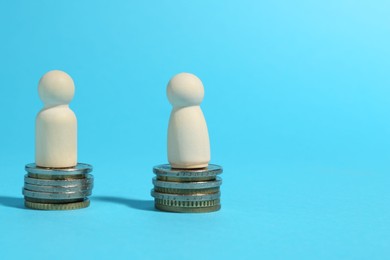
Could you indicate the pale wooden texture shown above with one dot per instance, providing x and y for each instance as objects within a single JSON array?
[
  {"x": 188, "y": 138},
  {"x": 56, "y": 124}
]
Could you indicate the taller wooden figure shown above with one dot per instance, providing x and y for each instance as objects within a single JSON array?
[
  {"x": 56, "y": 181},
  {"x": 56, "y": 124}
]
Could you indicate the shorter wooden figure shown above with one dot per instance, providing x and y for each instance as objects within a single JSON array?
[{"x": 188, "y": 183}]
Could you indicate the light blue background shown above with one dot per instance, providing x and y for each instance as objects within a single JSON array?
[{"x": 297, "y": 105}]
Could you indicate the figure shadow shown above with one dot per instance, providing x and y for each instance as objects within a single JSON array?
[
  {"x": 146, "y": 205},
  {"x": 12, "y": 202}
]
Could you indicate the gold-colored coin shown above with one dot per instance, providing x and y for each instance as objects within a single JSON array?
[
  {"x": 49, "y": 206},
  {"x": 187, "y": 210}
]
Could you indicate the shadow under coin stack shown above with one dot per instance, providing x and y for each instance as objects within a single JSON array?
[
  {"x": 57, "y": 188},
  {"x": 187, "y": 190}
]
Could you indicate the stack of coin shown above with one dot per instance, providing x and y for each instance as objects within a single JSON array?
[
  {"x": 187, "y": 190},
  {"x": 57, "y": 189}
]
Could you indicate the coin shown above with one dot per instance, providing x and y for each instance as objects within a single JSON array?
[
  {"x": 166, "y": 170},
  {"x": 57, "y": 195},
  {"x": 63, "y": 182},
  {"x": 188, "y": 210},
  {"x": 184, "y": 191},
  {"x": 186, "y": 179},
  {"x": 188, "y": 185},
  {"x": 49, "y": 206},
  {"x": 162, "y": 207},
  {"x": 185, "y": 197},
  {"x": 57, "y": 177},
  {"x": 71, "y": 188},
  {"x": 188, "y": 204},
  {"x": 80, "y": 168},
  {"x": 54, "y": 201}
]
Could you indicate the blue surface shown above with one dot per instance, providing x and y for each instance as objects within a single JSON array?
[{"x": 297, "y": 104}]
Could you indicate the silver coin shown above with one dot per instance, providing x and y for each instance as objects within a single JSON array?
[
  {"x": 72, "y": 188},
  {"x": 185, "y": 197},
  {"x": 56, "y": 195},
  {"x": 188, "y": 210},
  {"x": 80, "y": 168},
  {"x": 167, "y": 171},
  {"x": 188, "y": 185},
  {"x": 67, "y": 182}
]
